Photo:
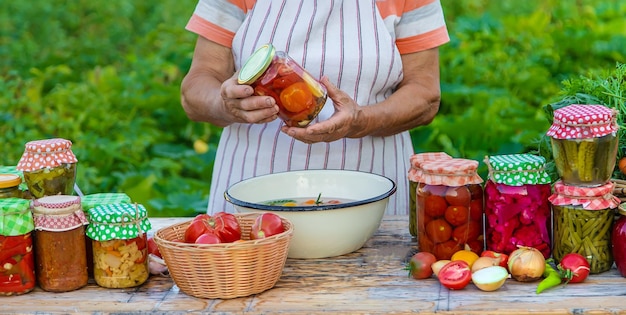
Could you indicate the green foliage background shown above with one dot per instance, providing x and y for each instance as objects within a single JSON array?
[{"x": 106, "y": 75}]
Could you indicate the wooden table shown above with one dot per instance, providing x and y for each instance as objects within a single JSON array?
[{"x": 368, "y": 281}]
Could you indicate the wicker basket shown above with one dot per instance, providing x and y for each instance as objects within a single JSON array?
[
  {"x": 224, "y": 271},
  {"x": 619, "y": 190}
]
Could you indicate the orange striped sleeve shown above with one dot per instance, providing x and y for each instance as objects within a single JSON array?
[{"x": 218, "y": 20}]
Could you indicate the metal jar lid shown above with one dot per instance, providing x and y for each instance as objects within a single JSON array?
[
  {"x": 9, "y": 180},
  {"x": 256, "y": 65}
]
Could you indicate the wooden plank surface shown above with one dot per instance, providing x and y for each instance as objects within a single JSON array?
[{"x": 368, "y": 281}]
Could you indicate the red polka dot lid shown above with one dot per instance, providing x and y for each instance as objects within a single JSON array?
[
  {"x": 48, "y": 153},
  {"x": 582, "y": 121}
]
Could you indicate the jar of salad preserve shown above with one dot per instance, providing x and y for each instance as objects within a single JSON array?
[
  {"x": 49, "y": 167},
  {"x": 60, "y": 254},
  {"x": 583, "y": 220},
  {"x": 450, "y": 208},
  {"x": 274, "y": 73},
  {"x": 91, "y": 201},
  {"x": 517, "y": 209},
  {"x": 618, "y": 241},
  {"x": 10, "y": 186},
  {"x": 120, "y": 253},
  {"x": 17, "y": 262},
  {"x": 584, "y": 144}
]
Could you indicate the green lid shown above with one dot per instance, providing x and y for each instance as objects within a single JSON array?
[
  {"x": 517, "y": 169},
  {"x": 91, "y": 201},
  {"x": 15, "y": 217},
  {"x": 256, "y": 65},
  {"x": 117, "y": 221}
]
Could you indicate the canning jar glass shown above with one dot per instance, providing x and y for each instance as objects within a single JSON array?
[
  {"x": 17, "y": 262},
  {"x": 49, "y": 167},
  {"x": 517, "y": 209},
  {"x": 450, "y": 208},
  {"x": 10, "y": 186},
  {"x": 583, "y": 219},
  {"x": 618, "y": 241},
  {"x": 119, "y": 237},
  {"x": 584, "y": 144},
  {"x": 274, "y": 73},
  {"x": 60, "y": 254}
]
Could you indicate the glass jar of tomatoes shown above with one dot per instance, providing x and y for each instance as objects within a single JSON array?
[
  {"x": 274, "y": 73},
  {"x": 584, "y": 144},
  {"x": 583, "y": 219},
  {"x": 517, "y": 209},
  {"x": 49, "y": 167},
  {"x": 10, "y": 186},
  {"x": 60, "y": 254},
  {"x": 119, "y": 241},
  {"x": 17, "y": 262},
  {"x": 450, "y": 207},
  {"x": 414, "y": 176},
  {"x": 618, "y": 241}
]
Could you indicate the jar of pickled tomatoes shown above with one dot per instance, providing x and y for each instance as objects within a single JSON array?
[
  {"x": 60, "y": 254},
  {"x": 583, "y": 220},
  {"x": 49, "y": 167},
  {"x": 119, "y": 241},
  {"x": 449, "y": 202},
  {"x": 17, "y": 262},
  {"x": 274, "y": 73},
  {"x": 517, "y": 209},
  {"x": 584, "y": 144},
  {"x": 414, "y": 176}
]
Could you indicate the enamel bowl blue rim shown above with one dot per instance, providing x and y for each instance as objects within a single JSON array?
[{"x": 259, "y": 206}]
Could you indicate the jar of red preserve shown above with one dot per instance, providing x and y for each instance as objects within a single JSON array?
[
  {"x": 517, "y": 209},
  {"x": 450, "y": 207},
  {"x": 618, "y": 240},
  {"x": 273, "y": 73},
  {"x": 17, "y": 264}
]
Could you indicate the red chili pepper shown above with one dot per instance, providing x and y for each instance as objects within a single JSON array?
[
  {"x": 14, "y": 284},
  {"x": 18, "y": 249}
]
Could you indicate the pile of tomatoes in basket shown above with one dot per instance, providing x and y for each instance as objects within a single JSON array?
[{"x": 224, "y": 227}]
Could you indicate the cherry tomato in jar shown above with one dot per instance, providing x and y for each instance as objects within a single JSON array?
[
  {"x": 455, "y": 275},
  {"x": 297, "y": 97},
  {"x": 476, "y": 210},
  {"x": 458, "y": 196},
  {"x": 446, "y": 249},
  {"x": 284, "y": 81},
  {"x": 435, "y": 206},
  {"x": 457, "y": 215},
  {"x": 266, "y": 225},
  {"x": 467, "y": 232},
  {"x": 438, "y": 230}
]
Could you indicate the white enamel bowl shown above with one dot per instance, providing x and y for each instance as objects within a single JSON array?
[{"x": 319, "y": 231}]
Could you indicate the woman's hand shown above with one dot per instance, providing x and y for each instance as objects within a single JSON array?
[
  {"x": 243, "y": 106},
  {"x": 340, "y": 125}
]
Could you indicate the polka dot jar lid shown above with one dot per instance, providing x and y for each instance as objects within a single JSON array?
[
  {"x": 47, "y": 153},
  {"x": 517, "y": 169},
  {"x": 582, "y": 122},
  {"x": 117, "y": 221}
]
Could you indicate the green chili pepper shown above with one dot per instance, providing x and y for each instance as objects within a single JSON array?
[{"x": 552, "y": 278}]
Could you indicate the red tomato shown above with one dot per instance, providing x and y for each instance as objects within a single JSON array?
[
  {"x": 458, "y": 196},
  {"x": 467, "y": 232},
  {"x": 503, "y": 258},
  {"x": 208, "y": 238},
  {"x": 476, "y": 210},
  {"x": 420, "y": 265},
  {"x": 225, "y": 226},
  {"x": 457, "y": 215},
  {"x": 153, "y": 248},
  {"x": 297, "y": 97},
  {"x": 438, "y": 230},
  {"x": 195, "y": 229},
  {"x": 435, "y": 206},
  {"x": 284, "y": 81},
  {"x": 455, "y": 275},
  {"x": 446, "y": 249},
  {"x": 266, "y": 225},
  {"x": 574, "y": 267}
]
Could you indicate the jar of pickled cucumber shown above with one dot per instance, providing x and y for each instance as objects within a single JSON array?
[
  {"x": 414, "y": 181},
  {"x": 618, "y": 240},
  {"x": 17, "y": 261},
  {"x": 274, "y": 73},
  {"x": 49, "y": 167},
  {"x": 517, "y": 209},
  {"x": 119, "y": 237},
  {"x": 584, "y": 144},
  {"x": 10, "y": 186},
  {"x": 60, "y": 254},
  {"x": 583, "y": 219},
  {"x": 449, "y": 208}
]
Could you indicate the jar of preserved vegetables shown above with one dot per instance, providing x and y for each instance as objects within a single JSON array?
[
  {"x": 516, "y": 204},
  {"x": 274, "y": 73},
  {"x": 450, "y": 207},
  {"x": 414, "y": 175},
  {"x": 583, "y": 219},
  {"x": 49, "y": 167},
  {"x": 10, "y": 186},
  {"x": 618, "y": 241},
  {"x": 120, "y": 253},
  {"x": 584, "y": 144},
  {"x": 60, "y": 254},
  {"x": 17, "y": 262}
]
